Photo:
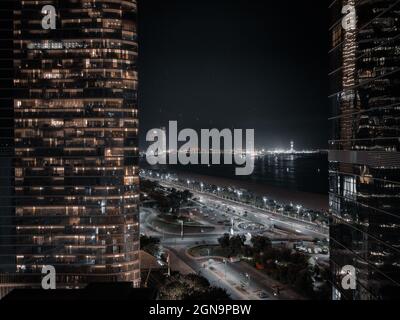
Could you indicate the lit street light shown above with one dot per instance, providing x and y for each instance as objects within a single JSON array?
[
  {"x": 225, "y": 263},
  {"x": 265, "y": 201},
  {"x": 181, "y": 221},
  {"x": 248, "y": 278},
  {"x": 298, "y": 211}
]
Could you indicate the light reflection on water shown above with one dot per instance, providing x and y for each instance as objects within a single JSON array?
[{"x": 308, "y": 172}]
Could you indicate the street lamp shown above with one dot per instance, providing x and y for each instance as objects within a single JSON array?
[
  {"x": 181, "y": 221},
  {"x": 225, "y": 263},
  {"x": 298, "y": 211},
  {"x": 248, "y": 278}
]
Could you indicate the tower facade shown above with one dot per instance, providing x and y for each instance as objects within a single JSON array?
[
  {"x": 364, "y": 151},
  {"x": 72, "y": 126}
]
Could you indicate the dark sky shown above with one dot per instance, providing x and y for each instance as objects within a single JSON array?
[{"x": 236, "y": 64}]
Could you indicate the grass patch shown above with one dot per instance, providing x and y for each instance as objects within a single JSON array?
[{"x": 207, "y": 250}]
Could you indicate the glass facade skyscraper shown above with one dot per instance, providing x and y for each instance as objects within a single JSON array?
[
  {"x": 69, "y": 156},
  {"x": 364, "y": 150}
]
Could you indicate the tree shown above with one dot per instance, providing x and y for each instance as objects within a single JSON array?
[
  {"x": 213, "y": 294},
  {"x": 177, "y": 198},
  {"x": 186, "y": 195},
  {"x": 260, "y": 243},
  {"x": 234, "y": 245},
  {"x": 304, "y": 283},
  {"x": 237, "y": 244},
  {"x": 174, "y": 290},
  {"x": 196, "y": 282},
  {"x": 224, "y": 241},
  {"x": 190, "y": 287},
  {"x": 147, "y": 186},
  {"x": 149, "y": 244}
]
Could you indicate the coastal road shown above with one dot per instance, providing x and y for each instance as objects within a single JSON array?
[
  {"x": 256, "y": 215},
  {"x": 229, "y": 276},
  {"x": 240, "y": 280}
]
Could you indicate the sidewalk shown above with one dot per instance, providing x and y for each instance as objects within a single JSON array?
[
  {"x": 286, "y": 293},
  {"x": 178, "y": 265}
]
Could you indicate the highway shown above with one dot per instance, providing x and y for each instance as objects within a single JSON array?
[
  {"x": 239, "y": 279},
  {"x": 254, "y": 214},
  {"x": 215, "y": 269}
]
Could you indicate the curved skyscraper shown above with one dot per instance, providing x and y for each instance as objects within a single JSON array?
[
  {"x": 70, "y": 131},
  {"x": 364, "y": 150}
]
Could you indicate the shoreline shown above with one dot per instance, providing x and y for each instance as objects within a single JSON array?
[{"x": 309, "y": 200}]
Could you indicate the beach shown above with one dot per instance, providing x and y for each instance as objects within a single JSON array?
[{"x": 284, "y": 195}]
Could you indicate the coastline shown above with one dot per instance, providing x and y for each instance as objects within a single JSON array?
[{"x": 308, "y": 200}]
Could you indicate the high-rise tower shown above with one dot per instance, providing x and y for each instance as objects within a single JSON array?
[
  {"x": 364, "y": 150},
  {"x": 70, "y": 131}
]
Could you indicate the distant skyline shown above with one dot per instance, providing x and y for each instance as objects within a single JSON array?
[{"x": 236, "y": 64}]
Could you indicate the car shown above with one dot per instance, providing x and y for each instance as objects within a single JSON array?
[{"x": 317, "y": 250}]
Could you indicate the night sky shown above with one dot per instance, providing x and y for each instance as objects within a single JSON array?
[{"x": 236, "y": 64}]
